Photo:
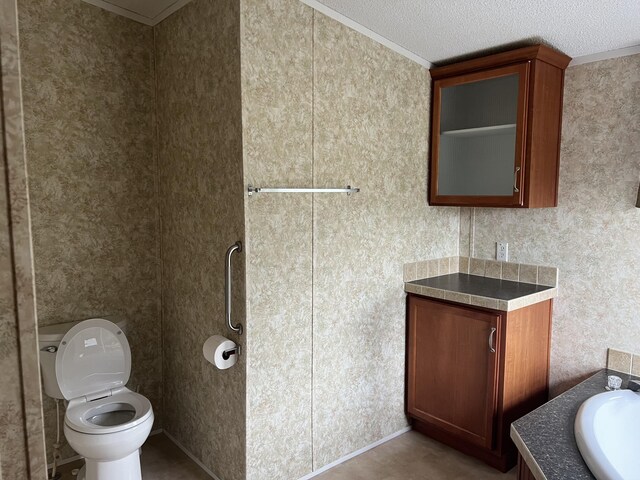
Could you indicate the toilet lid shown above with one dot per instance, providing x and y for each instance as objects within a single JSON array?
[{"x": 93, "y": 356}]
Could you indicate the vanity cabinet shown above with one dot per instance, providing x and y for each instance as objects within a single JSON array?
[
  {"x": 472, "y": 371},
  {"x": 495, "y": 138}
]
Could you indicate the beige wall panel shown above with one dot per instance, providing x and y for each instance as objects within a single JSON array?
[
  {"x": 200, "y": 160},
  {"x": 277, "y": 134},
  {"x": 371, "y": 131},
  {"x": 334, "y": 384}
]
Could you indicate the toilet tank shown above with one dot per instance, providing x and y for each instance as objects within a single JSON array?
[{"x": 49, "y": 339}]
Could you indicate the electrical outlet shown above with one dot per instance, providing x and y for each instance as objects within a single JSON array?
[{"x": 502, "y": 251}]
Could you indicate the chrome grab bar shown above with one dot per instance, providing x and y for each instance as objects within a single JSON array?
[{"x": 227, "y": 287}]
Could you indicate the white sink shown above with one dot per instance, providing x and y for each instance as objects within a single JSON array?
[{"x": 607, "y": 430}]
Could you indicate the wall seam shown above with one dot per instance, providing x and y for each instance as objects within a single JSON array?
[
  {"x": 21, "y": 247},
  {"x": 472, "y": 231},
  {"x": 313, "y": 219},
  {"x": 11, "y": 258},
  {"x": 156, "y": 157}
]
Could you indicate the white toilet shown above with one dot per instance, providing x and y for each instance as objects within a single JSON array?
[{"x": 105, "y": 422}]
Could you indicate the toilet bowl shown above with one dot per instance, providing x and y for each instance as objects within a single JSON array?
[{"x": 105, "y": 422}]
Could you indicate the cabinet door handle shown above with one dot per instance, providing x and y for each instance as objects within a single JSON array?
[
  {"x": 492, "y": 335},
  {"x": 515, "y": 180}
]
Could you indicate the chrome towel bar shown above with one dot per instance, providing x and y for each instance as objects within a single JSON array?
[
  {"x": 251, "y": 190},
  {"x": 236, "y": 247}
]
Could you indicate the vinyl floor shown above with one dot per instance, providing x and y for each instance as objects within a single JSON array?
[
  {"x": 410, "y": 456},
  {"x": 413, "y": 456}
]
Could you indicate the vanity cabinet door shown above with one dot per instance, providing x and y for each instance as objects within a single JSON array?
[
  {"x": 452, "y": 364},
  {"x": 478, "y": 137}
]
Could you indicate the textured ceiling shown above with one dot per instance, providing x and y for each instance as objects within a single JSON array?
[{"x": 443, "y": 30}]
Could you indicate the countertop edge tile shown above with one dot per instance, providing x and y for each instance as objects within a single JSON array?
[
  {"x": 485, "y": 302},
  {"x": 532, "y": 299},
  {"x": 457, "y": 297},
  {"x": 433, "y": 292},
  {"x": 410, "y": 288}
]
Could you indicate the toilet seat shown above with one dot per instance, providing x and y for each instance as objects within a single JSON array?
[
  {"x": 93, "y": 358},
  {"x": 92, "y": 366},
  {"x": 122, "y": 410}
]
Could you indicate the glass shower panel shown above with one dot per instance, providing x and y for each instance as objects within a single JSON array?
[{"x": 478, "y": 137}]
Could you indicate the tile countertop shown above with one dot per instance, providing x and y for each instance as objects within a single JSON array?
[
  {"x": 484, "y": 292},
  {"x": 545, "y": 437}
]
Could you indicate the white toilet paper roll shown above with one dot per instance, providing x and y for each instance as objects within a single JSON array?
[{"x": 214, "y": 351}]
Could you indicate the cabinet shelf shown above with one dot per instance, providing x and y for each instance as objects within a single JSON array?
[{"x": 481, "y": 131}]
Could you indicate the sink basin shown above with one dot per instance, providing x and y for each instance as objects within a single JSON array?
[{"x": 607, "y": 431}]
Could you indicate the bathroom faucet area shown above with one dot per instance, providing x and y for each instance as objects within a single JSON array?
[{"x": 319, "y": 239}]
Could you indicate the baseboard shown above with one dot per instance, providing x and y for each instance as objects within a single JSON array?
[
  {"x": 191, "y": 456},
  {"x": 355, "y": 454}
]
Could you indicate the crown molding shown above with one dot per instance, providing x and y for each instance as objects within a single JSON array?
[
  {"x": 136, "y": 16},
  {"x": 596, "y": 57}
]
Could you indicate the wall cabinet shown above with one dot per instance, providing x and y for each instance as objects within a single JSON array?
[
  {"x": 495, "y": 137},
  {"x": 473, "y": 371}
]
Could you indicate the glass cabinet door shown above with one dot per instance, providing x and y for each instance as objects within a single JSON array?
[{"x": 480, "y": 123}]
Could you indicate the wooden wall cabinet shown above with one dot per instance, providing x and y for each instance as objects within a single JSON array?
[
  {"x": 472, "y": 371},
  {"x": 495, "y": 131}
]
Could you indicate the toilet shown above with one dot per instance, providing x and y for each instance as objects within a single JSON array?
[{"x": 105, "y": 422}]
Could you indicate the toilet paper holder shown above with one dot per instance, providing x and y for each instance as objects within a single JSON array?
[{"x": 232, "y": 351}]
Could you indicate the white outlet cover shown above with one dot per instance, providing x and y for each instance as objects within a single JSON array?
[{"x": 502, "y": 251}]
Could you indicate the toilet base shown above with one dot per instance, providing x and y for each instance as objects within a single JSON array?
[{"x": 127, "y": 468}]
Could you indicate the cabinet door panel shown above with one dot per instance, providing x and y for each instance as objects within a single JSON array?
[
  {"x": 451, "y": 369},
  {"x": 479, "y": 126}
]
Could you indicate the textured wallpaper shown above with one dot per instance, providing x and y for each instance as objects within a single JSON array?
[
  {"x": 371, "y": 131},
  {"x": 277, "y": 81},
  {"x": 593, "y": 236},
  {"x": 200, "y": 163},
  {"x": 89, "y": 119},
  {"x": 22, "y": 450},
  {"x": 326, "y": 106}
]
